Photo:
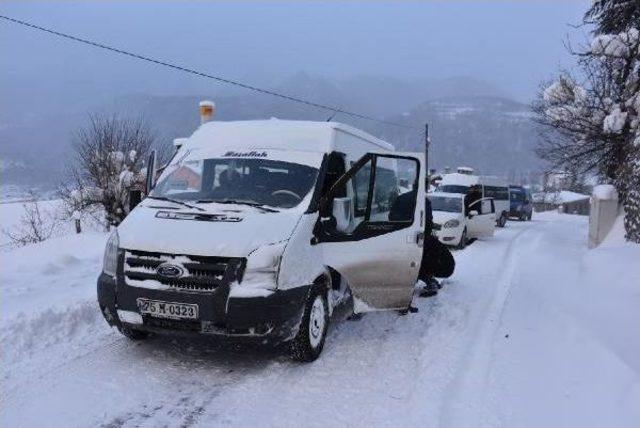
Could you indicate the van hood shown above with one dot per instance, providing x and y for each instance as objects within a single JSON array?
[
  {"x": 225, "y": 231},
  {"x": 441, "y": 217}
]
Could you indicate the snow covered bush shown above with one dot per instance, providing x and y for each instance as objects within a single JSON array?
[
  {"x": 108, "y": 164},
  {"x": 591, "y": 120}
]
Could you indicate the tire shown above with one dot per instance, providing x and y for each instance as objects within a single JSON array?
[
  {"x": 529, "y": 216},
  {"x": 308, "y": 343},
  {"x": 463, "y": 240},
  {"x": 133, "y": 334},
  {"x": 503, "y": 220}
]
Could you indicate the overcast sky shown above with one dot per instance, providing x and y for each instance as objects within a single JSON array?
[{"x": 512, "y": 44}]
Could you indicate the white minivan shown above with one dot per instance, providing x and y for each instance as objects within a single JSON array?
[
  {"x": 465, "y": 182},
  {"x": 256, "y": 230},
  {"x": 454, "y": 223}
]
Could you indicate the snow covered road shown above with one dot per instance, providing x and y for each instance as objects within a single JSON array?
[{"x": 532, "y": 329}]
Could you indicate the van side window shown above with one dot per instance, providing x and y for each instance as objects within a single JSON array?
[
  {"x": 394, "y": 198},
  {"x": 360, "y": 185},
  {"x": 388, "y": 199},
  {"x": 382, "y": 193},
  {"x": 496, "y": 192}
]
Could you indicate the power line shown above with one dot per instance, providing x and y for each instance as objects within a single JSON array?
[{"x": 202, "y": 74}]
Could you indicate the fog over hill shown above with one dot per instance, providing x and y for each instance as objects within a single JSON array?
[{"x": 472, "y": 122}]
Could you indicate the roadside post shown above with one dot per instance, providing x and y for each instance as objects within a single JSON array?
[{"x": 76, "y": 218}]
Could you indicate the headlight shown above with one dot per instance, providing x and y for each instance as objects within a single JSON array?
[
  {"x": 110, "y": 262},
  {"x": 452, "y": 223},
  {"x": 262, "y": 264}
]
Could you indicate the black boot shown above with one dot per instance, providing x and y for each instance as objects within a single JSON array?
[{"x": 430, "y": 289}]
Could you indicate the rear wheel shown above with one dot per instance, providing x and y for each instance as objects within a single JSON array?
[
  {"x": 132, "y": 333},
  {"x": 309, "y": 341}
]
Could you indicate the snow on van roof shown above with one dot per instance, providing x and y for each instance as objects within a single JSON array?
[
  {"x": 277, "y": 134},
  {"x": 459, "y": 179},
  {"x": 455, "y": 178}
]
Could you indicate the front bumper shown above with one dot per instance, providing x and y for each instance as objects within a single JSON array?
[
  {"x": 272, "y": 319},
  {"x": 448, "y": 236}
]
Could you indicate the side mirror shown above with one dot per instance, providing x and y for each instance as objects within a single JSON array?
[
  {"x": 151, "y": 171},
  {"x": 135, "y": 196},
  {"x": 473, "y": 213},
  {"x": 342, "y": 213}
]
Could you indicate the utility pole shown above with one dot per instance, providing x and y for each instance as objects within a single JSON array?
[{"x": 426, "y": 156}]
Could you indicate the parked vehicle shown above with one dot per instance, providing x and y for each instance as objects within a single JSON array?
[
  {"x": 521, "y": 203},
  {"x": 455, "y": 220},
  {"x": 464, "y": 182},
  {"x": 257, "y": 230}
]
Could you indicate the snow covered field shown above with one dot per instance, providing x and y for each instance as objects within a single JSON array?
[{"x": 532, "y": 330}]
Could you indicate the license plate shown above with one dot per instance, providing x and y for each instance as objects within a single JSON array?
[{"x": 172, "y": 310}]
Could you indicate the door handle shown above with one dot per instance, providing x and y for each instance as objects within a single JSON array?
[{"x": 420, "y": 239}]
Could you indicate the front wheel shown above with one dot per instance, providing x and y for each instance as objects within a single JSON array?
[
  {"x": 463, "y": 240},
  {"x": 133, "y": 334},
  {"x": 309, "y": 341}
]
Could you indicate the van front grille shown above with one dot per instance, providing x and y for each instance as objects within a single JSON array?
[{"x": 183, "y": 272}]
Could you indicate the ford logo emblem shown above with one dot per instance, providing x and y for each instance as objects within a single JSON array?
[{"x": 169, "y": 270}]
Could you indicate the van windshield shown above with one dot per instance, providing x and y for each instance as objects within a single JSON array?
[
  {"x": 444, "y": 203},
  {"x": 235, "y": 180}
]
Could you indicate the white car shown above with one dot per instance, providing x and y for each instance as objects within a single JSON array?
[
  {"x": 454, "y": 224},
  {"x": 496, "y": 188}
]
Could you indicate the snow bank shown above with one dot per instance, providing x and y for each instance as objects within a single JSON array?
[
  {"x": 531, "y": 330},
  {"x": 52, "y": 210}
]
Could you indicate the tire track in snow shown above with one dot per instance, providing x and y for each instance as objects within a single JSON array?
[
  {"x": 364, "y": 376},
  {"x": 465, "y": 397}
]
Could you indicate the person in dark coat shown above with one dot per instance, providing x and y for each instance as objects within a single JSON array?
[{"x": 437, "y": 260}]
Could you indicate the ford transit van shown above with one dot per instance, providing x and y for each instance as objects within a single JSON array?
[{"x": 257, "y": 230}]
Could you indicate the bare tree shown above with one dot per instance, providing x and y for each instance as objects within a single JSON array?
[
  {"x": 36, "y": 224},
  {"x": 108, "y": 163}
]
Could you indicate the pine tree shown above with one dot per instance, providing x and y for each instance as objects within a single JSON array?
[
  {"x": 623, "y": 17},
  {"x": 613, "y": 16},
  {"x": 632, "y": 205},
  {"x": 592, "y": 122}
]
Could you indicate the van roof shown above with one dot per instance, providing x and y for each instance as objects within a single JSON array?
[
  {"x": 456, "y": 178},
  {"x": 277, "y": 134}
]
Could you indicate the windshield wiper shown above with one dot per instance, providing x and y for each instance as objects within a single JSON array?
[
  {"x": 175, "y": 201},
  {"x": 238, "y": 202}
]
